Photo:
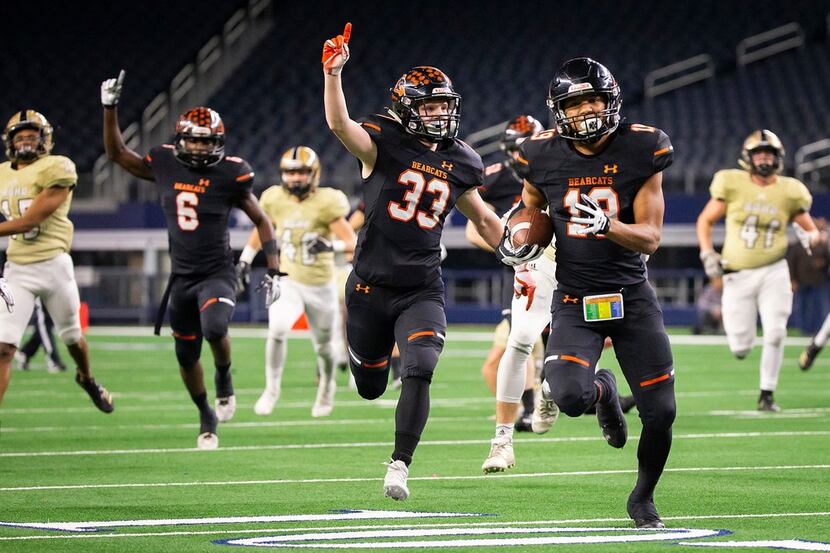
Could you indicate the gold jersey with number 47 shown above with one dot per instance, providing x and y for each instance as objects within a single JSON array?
[
  {"x": 18, "y": 188},
  {"x": 298, "y": 224},
  {"x": 757, "y": 216}
]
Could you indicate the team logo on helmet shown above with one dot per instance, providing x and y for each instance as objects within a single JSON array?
[
  {"x": 762, "y": 141},
  {"x": 28, "y": 119},
  {"x": 421, "y": 85},
  {"x": 200, "y": 125},
  {"x": 303, "y": 162}
]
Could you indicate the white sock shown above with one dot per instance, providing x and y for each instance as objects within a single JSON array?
[
  {"x": 823, "y": 333},
  {"x": 504, "y": 430},
  {"x": 771, "y": 358}
]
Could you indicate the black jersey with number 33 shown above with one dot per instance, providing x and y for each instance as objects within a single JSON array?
[
  {"x": 196, "y": 205},
  {"x": 612, "y": 178},
  {"x": 408, "y": 195}
]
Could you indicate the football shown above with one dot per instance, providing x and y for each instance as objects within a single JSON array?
[{"x": 530, "y": 225}]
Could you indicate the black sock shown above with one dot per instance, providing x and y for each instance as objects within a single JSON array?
[
  {"x": 765, "y": 394},
  {"x": 651, "y": 455},
  {"x": 222, "y": 379},
  {"x": 528, "y": 401},
  {"x": 201, "y": 402},
  {"x": 410, "y": 417}
]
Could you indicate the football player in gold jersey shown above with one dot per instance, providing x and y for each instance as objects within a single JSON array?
[
  {"x": 311, "y": 227},
  {"x": 35, "y": 194},
  {"x": 758, "y": 204}
]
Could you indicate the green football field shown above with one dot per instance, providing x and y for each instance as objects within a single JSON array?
[{"x": 74, "y": 479}]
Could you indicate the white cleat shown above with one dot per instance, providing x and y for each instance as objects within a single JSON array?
[
  {"x": 324, "y": 402},
  {"x": 352, "y": 383},
  {"x": 546, "y": 412},
  {"x": 225, "y": 408},
  {"x": 265, "y": 404},
  {"x": 394, "y": 484},
  {"x": 501, "y": 456},
  {"x": 207, "y": 440}
]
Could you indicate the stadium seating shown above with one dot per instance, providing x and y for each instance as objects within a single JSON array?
[{"x": 57, "y": 55}]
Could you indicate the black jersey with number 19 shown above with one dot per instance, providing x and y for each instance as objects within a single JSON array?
[
  {"x": 408, "y": 196},
  {"x": 196, "y": 205},
  {"x": 634, "y": 152}
]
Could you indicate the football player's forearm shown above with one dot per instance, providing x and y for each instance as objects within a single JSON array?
[
  {"x": 337, "y": 113},
  {"x": 490, "y": 229},
  {"x": 704, "y": 234},
  {"x": 643, "y": 238},
  {"x": 16, "y": 226}
]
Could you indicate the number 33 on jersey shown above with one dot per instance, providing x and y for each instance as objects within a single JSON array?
[{"x": 408, "y": 196}]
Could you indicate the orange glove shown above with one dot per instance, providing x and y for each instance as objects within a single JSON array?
[
  {"x": 336, "y": 51},
  {"x": 524, "y": 285}
]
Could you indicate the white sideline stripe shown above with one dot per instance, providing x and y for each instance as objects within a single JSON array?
[
  {"x": 453, "y": 336},
  {"x": 719, "y": 435},
  {"x": 375, "y": 479},
  {"x": 747, "y": 414},
  {"x": 403, "y": 526}
]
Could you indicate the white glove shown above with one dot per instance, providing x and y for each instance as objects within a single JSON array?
[
  {"x": 511, "y": 256},
  {"x": 111, "y": 90},
  {"x": 271, "y": 284},
  {"x": 6, "y": 294},
  {"x": 804, "y": 237},
  {"x": 712, "y": 263},
  {"x": 595, "y": 222},
  {"x": 336, "y": 51}
]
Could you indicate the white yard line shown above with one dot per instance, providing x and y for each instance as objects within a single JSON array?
[
  {"x": 602, "y": 520},
  {"x": 350, "y": 445}
]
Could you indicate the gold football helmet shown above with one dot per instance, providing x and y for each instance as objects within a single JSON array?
[
  {"x": 762, "y": 140},
  {"x": 306, "y": 160},
  {"x": 28, "y": 119}
]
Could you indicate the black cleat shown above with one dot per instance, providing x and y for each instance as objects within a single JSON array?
[
  {"x": 609, "y": 413},
  {"x": 524, "y": 424},
  {"x": 767, "y": 403},
  {"x": 808, "y": 356},
  {"x": 97, "y": 393},
  {"x": 644, "y": 514}
]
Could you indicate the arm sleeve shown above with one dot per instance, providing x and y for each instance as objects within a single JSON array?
[{"x": 663, "y": 152}]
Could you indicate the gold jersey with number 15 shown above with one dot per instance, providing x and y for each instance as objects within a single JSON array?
[
  {"x": 757, "y": 216},
  {"x": 18, "y": 189}
]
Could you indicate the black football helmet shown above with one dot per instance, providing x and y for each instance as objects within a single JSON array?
[
  {"x": 521, "y": 126},
  {"x": 200, "y": 123},
  {"x": 762, "y": 140},
  {"x": 414, "y": 88},
  {"x": 578, "y": 77}
]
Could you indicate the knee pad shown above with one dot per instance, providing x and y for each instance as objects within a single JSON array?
[
  {"x": 571, "y": 385},
  {"x": 741, "y": 353},
  {"x": 422, "y": 357},
  {"x": 657, "y": 407},
  {"x": 188, "y": 352},
  {"x": 370, "y": 375},
  {"x": 519, "y": 344},
  {"x": 71, "y": 336}
]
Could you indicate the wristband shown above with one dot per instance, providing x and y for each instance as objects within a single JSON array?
[
  {"x": 248, "y": 254},
  {"x": 338, "y": 246}
]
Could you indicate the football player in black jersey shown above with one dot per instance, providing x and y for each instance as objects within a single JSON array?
[
  {"x": 602, "y": 178},
  {"x": 414, "y": 170},
  {"x": 502, "y": 190},
  {"x": 198, "y": 185}
]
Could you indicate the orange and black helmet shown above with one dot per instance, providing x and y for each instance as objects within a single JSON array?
[
  {"x": 28, "y": 119},
  {"x": 420, "y": 85},
  {"x": 200, "y": 123}
]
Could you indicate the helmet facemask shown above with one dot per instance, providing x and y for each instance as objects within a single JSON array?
[
  {"x": 28, "y": 119},
  {"x": 415, "y": 90},
  {"x": 300, "y": 168},
  {"x": 200, "y": 124},
  {"x": 762, "y": 141},
  {"x": 586, "y": 127}
]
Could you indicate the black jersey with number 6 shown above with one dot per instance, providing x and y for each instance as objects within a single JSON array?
[
  {"x": 612, "y": 178},
  {"x": 408, "y": 195},
  {"x": 196, "y": 205}
]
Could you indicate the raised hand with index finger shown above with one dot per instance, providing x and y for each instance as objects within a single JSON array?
[{"x": 336, "y": 52}]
